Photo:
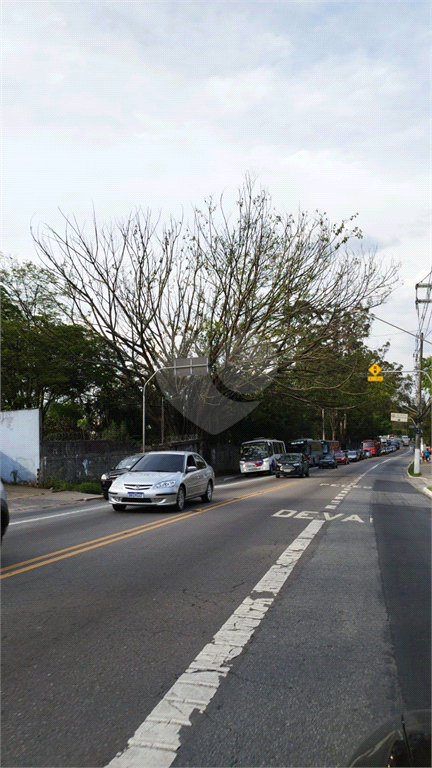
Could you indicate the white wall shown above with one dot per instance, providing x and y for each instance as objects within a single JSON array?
[{"x": 20, "y": 445}]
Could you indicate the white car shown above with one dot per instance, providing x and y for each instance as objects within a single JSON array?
[{"x": 163, "y": 478}]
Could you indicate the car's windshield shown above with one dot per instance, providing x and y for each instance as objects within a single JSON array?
[
  {"x": 254, "y": 451},
  {"x": 160, "y": 462},
  {"x": 127, "y": 462},
  {"x": 290, "y": 457}
]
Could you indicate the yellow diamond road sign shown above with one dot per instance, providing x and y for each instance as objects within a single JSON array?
[{"x": 375, "y": 369}]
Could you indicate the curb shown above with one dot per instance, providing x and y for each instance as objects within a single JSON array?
[{"x": 420, "y": 483}]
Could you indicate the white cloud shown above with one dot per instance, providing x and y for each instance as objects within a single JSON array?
[{"x": 160, "y": 104}]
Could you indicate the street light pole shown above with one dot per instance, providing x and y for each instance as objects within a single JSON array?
[
  {"x": 187, "y": 366},
  {"x": 144, "y": 404},
  {"x": 162, "y": 422}
]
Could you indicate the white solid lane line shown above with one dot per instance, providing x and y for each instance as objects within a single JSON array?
[
  {"x": 156, "y": 741},
  {"x": 58, "y": 514}
]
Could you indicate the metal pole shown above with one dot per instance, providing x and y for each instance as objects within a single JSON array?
[
  {"x": 419, "y": 410},
  {"x": 162, "y": 422},
  {"x": 190, "y": 366},
  {"x": 143, "y": 418},
  {"x": 145, "y": 384},
  {"x": 419, "y": 372}
]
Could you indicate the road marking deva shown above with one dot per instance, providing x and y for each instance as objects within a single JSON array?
[{"x": 308, "y": 515}]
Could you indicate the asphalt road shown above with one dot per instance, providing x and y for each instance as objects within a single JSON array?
[{"x": 103, "y": 612}]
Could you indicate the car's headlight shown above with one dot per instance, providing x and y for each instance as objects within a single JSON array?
[
  {"x": 104, "y": 477},
  {"x": 165, "y": 484},
  {"x": 296, "y": 465}
]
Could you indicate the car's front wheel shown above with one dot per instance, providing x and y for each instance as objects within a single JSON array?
[
  {"x": 208, "y": 495},
  {"x": 105, "y": 494},
  {"x": 181, "y": 499},
  {"x": 118, "y": 507}
]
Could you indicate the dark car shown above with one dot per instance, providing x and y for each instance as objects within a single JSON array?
[
  {"x": 328, "y": 460},
  {"x": 4, "y": 511},
  {"x": 353, "y": 455},
  {"x": 292, "y": 464},
  {"x": 123, "y": 466}
]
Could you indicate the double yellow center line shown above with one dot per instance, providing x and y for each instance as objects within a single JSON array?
[{"x": 77, "y": 549}]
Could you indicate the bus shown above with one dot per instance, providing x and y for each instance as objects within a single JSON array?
[
  {"x": 330, "y": 446},
  {"x": 312, "y": 449},
  {"x": 260, "y": 455},
  {"x": 374, "y": 446}
]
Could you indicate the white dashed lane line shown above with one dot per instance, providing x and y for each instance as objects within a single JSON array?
[
  {"x": 342, "y": 494},
  {"x": 156, "y": 741}
]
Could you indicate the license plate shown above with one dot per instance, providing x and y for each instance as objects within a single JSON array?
[{"x": 135, "y": 494}]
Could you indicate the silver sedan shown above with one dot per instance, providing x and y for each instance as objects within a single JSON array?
[{"x": 163, "y": 478}]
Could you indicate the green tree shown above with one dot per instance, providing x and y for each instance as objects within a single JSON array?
[
  {"x": 262, "y": 294},
  {"x": 51, "y": 363}
]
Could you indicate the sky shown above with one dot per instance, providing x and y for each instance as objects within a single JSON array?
[{"x": 118, "y": 105}]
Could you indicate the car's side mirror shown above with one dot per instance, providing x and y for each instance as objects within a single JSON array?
[
  {"x": 190, "y": 469},
  {"x": 404, "y": 740}
]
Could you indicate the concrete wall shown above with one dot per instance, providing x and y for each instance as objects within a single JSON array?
[
  {"x": 222, "y": 457},
  {"x": 20, "y": 445},
  {"x": 79, "y": 460},
  {"x": 22, "y": 453}
]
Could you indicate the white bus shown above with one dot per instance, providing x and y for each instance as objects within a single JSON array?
[{"x": 260, "y": 455}]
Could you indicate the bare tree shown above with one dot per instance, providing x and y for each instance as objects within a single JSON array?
[{"x": 262, "y": 296}]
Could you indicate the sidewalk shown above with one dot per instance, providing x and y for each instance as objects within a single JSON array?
[
  {"x": 424, "y": 482},
  {"x": 27, "y": 497}
]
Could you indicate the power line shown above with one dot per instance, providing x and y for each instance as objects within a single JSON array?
[{"x": 398, "y": 328}]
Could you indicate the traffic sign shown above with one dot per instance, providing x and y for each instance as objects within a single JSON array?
[
  {"x": 403, "y": 417},
  {"x": 191, "y": 366},
  {"x": 375, "y": 369},
  {"x": 376, "y": 378}
]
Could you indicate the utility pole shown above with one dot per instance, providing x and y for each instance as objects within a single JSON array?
[
  {"x": 417, "y": 447},
  {"x": 419, "y": 409}
]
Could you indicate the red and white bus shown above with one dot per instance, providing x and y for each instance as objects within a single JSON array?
[
  {"x": 260, "y": 455},
  {"x": 330, "y": 446}
]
